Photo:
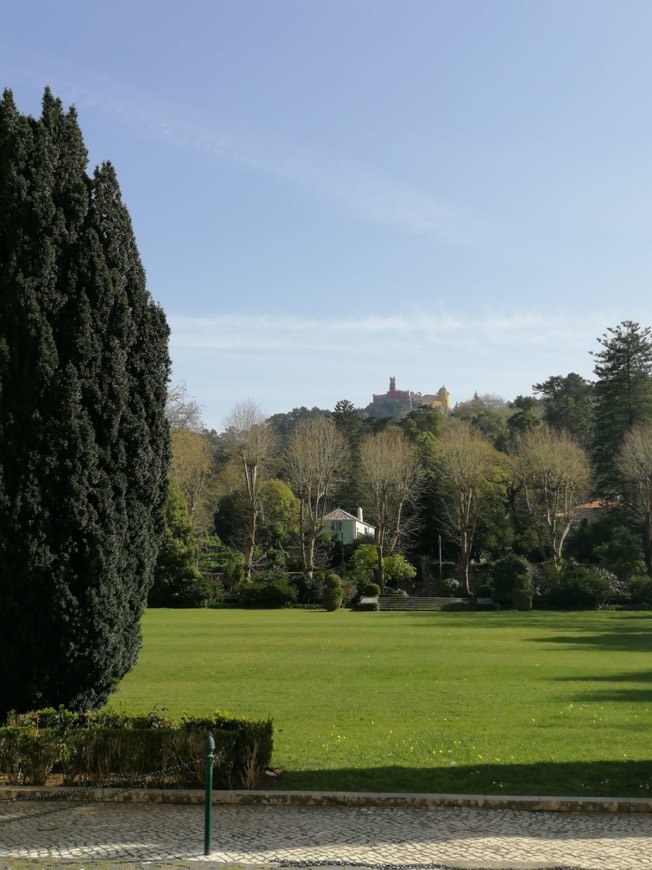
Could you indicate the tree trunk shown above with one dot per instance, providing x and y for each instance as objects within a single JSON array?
[
  {"x": 380, "y": 570},
  {"x": 250, "y": 543}
]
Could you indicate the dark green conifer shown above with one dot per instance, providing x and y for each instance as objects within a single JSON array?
[
  {"x": 177, "y": 580},
  {"x": 623, "y": 393},
  {"x": 83, "y": 440}
]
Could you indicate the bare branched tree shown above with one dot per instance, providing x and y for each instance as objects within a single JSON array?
[
  {"x": 315, "y": 464},
  {"x": 250, "y": 443},
  {"x": 393, "y": 478},
  {"x": 552, "y": 475},
  {"x": 469, "y": 474},
  {"x": 193, "y": 470},
  {"x": 182, "y": 410}
]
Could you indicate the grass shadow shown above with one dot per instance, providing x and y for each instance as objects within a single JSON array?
[
  {"x": 573, "y": 779},
  {"x": 612, "y": 688},
  {"x": 627, "y": 640}
]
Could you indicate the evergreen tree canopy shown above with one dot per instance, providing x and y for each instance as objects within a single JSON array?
[
  {"x": 83, "y": 439},
  {"x": 177, "y": 580},
  {"x": 623, "y": 391},
  {"x": 568, "y": 406}
]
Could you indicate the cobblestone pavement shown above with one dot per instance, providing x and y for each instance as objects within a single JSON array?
[{"x": 454, "y": 837}]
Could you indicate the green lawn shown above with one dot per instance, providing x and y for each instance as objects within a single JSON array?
[{"x": 475, "y": 703}]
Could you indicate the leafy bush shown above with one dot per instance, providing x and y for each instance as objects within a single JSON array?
[
  {"x": 371, "y": 589},
  {"x": 622, "y": 553},
  {"x": 361, "y": 567},
  {"x": 526, "y": 543},
  {"x": 220, "y": 562},
  {"x": 583, "y": 542},
  {"x": 27, "y": 754},
  {"x": 509, "y": 573},
  {"x": 522, "y": 582},
  {"x": 546, "y": 577},
  {"x": 640, "y": 591},
  {"x": 450, "y": 587},
  {"x": 522, "y": 599},
  {"x": 271, "y": 589},
  {"x": 484, "y": 590},
  {"x": 398, "y": 570},
  {"x": 308, "y": 588},
  {"x": 350, "y": 592},
  {"x": 573, "y": 586},
  {"x": 216, "y": 591},
  {"x": 231, "y": 568}
]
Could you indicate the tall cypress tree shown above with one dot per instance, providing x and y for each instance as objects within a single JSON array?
[
  {"x": 623, "y": 393},
  {"x": 83, "y": 439}
]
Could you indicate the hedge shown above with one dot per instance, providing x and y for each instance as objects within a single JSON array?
[{"x": 91, "y": 749}]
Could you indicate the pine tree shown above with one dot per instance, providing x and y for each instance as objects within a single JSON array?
[
  {"x": 350, "y": 494},
  {"x": 623, "y": 392},
  {"x": 83, "y": 438}
]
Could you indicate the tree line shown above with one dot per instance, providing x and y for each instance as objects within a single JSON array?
[{"x": 492, "y": 479}]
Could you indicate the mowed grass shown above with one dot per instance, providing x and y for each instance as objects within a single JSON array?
[{"x": 473, "y": 703}]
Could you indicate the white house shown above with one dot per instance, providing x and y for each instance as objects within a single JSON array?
[{"x": 346, "y": 527}]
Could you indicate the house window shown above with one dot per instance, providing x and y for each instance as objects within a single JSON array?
[{"x": 336, "y": 526}]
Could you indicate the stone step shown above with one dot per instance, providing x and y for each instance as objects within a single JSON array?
[{"x": 396, "y": 602}]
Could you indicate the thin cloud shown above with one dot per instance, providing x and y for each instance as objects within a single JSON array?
[
  {"x": 284, "y": 362},
  {"x": 371, "y": 198},
  {"x": 418, "y": 330}
]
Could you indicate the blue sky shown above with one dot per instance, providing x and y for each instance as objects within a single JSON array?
[{"x": 329, "y": 192}]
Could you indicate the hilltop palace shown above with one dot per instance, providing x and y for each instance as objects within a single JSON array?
[{"x": 441, "y": 399}]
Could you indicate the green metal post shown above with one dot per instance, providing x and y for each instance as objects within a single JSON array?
[{"x": 209, "y": 747}]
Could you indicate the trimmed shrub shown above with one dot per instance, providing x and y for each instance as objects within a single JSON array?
[
  {"x": 369, "y": 606},
  {"x": 331, "y": 596},
  {"x": 371, "y": 589},
  {"x": 145, "y": 750}
]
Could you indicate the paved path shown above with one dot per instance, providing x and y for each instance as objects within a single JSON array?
[{"x": 456, "y": 837}]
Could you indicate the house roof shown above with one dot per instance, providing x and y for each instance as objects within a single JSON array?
[
  {"x": 597, "y": 505},
  {"x": 339, "y": 514}
]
